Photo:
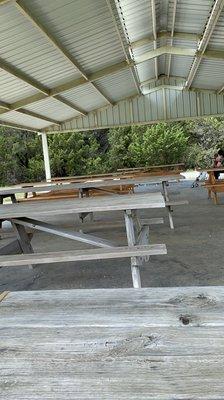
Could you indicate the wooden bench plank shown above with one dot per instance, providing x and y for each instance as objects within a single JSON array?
[
  {"x": 82, "y": 255},
  {"x": 113, "y": 344},
  {"x": 55, "y": 230}
]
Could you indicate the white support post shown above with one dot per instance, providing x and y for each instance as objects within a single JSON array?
[{"x": 47, "y": 167}]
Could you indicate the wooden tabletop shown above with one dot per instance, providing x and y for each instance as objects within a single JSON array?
[
  {"x": 91, "y": 183},
  {"x": 113, "y": 344},
  {"x": 76, "y": 206}
]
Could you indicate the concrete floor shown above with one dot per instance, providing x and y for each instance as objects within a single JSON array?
[{"x": 194, "y": 256}]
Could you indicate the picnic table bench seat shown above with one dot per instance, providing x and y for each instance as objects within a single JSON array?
[
  {"x": 82, "y": 255},
  {"x": 75, "y": 193},
  {"x": 214, "y": 188}
]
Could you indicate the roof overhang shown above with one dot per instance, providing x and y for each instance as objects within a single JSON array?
[{"x": 86, "y": 65}]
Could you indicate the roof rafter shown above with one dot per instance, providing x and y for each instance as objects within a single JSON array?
[
  {"x": 209, "y": 28},
  {"x": 172, "y": 35},
  {"x": 17, "y": 126},
  {"x": 118, "y": 26},
  {"x": 28, "y": 14},
  {"x": 162, "y": 34},
  {"x": 221, "y": 90},
  {"x": 67, "y": 86},
  {"x": 153, "y": 10},
  {"x": 31, "y": 82},
  {"x": 7, "y": 108},
  {"x": 108, "y": 71}
]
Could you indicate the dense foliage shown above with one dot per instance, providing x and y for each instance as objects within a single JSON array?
[{"x": 100, "y": 151}]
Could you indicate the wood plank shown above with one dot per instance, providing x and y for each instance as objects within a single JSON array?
[
  {"x": 145, "y": 307},
  {"x": 75, "y": 206},
  {"x": 113, "y": 344},
  {"x": 55, "y": 230},
  {"x": 81, "y": 255}
]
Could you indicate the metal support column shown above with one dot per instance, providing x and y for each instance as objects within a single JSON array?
[{"x": 47, "y": 167}]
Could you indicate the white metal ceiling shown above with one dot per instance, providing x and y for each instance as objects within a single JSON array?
[{"x": 63, "y": 59}]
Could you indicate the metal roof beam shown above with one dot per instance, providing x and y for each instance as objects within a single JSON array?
[
  {"x": 125, "y": 48},
  {"x": 17, "y": 126},
  {"x": 181, "y": 51},
  {"x": 165, "y": 35},
  {"x": 22, "y": 76},
  {"x": 113, "y": 69},
  {"x": 172, "y": 35},
  {"x": 39, "y": 116},
  {"x": 209, "y": 28},
  {"x": 68, "y": 86},
  {"x": 28, "y": 14},
  {"x": 7, "y": 108},
  {"x": 42, "y": 29},
  {"x": 153, "y": 10},
  {"x": 44, "y": 92}
]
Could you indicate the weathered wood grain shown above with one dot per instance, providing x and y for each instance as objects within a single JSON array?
[
  {"x": 113, "y": 344},
  {"x": 77, "y": 206},
  {"x": 81, "y": 255}
]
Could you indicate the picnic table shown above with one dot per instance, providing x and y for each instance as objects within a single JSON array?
[
  {"x": 212, "y": 184},
  {"x": 31, "y": 215},
  {"x": 103, "y": 185},
  {"x": 87, "y": 184},
  {"x": 115, "y": 344}
]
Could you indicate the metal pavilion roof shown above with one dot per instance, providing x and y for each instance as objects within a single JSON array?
[{"x": 84, "y": 64}]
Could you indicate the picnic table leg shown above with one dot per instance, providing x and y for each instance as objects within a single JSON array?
[
  {"x": 137, "y": 221},
  {"x": 215, "y": 198},
  {"x": 165, "y": 191},
  {"x": 23, "y": 239},
  {"x": 170, "y": 216},
  {"x": 169, "y": 208},
  {"x": 13, "y": 198},
  {"x": 84, "y": 193},
  {"x": 135, "y": 262}
]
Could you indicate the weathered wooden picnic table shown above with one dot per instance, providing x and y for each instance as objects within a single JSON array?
[
  {"x": 212, "y": 184},
  {"x": 88, "y": 184},
  {"x": 117, "y": 344},
  {"x": 103, "y": 185},
  {"x": 31, "y": 215}
]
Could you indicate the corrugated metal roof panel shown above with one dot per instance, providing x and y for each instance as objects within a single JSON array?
[
  {"x": 180, "y": 65},
  {"x": 210, "y": 75},
  {"x": 85, "y": 29},
  {"x": 86, "y": 97},
  {"x": 24, "y": 120},
  {"x": 23, "y": 46},
  {"x": 52, "y": 108},
  {"x": 216, "y": 41},
  {"x": 118, "y": 86},
  {"x": 13, "y": 89},
  {"x": 138, "y": 18},
  {"x": 191, "y": 15},
  {"x": 146, "y": 70}
]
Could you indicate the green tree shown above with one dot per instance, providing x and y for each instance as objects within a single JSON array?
[{"x": 159, "y": 144}]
